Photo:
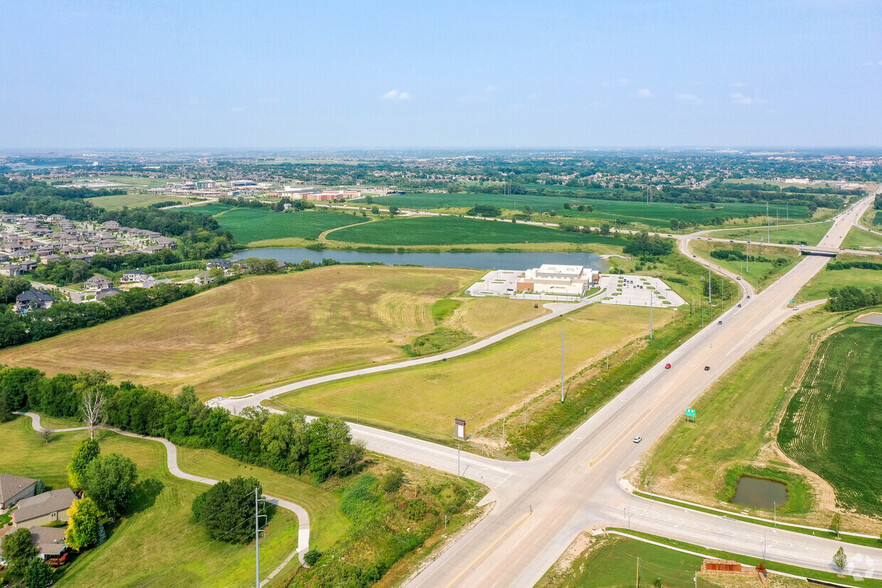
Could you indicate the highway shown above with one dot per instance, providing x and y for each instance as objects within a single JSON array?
[{"x": 543, "y": 504}]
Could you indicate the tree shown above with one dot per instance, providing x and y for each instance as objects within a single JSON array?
[
  {"x": 604, "y": 229},
  {"x": 85, "y": 451},
  {"x": 90, "y": 385},
  {"x": 18, "y": 551},
  {"x": 38, "y": 574},
  {"x": 393, "y": 210},
  {"x": 84, "y": 526},
  {"x": 836, "y": 523},
  {"x": 840, "y": 560},
  {"x": 226, "y": 510},
  {"x": 110, "y": 482},
  {"x": 47, "y": 434}
]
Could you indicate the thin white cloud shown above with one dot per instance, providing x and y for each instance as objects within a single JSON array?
[
  {"x": 396, "y": 95},
  {"x": 644, "y": 93},
  {"x": 688, "y": 98},
  {"x": 743, "y": 99}
]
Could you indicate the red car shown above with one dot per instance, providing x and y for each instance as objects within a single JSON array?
[{"x": 667, "y": 366}]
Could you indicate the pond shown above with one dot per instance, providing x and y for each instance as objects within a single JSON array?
[
  {"x": 760, "y": 493},
  {"x": 484, "y": 260}
]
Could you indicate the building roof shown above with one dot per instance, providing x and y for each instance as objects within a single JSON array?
[
  {"x": 49, "y": 540},
  {"x": 11, "y": 485},
  {"x": 134, "y": 273},
  {"x": 107, "y": 293},
  {"x": 43, "y": 504},
  {"x": 34, "y": 296},
  {"x": 99, "y": 277}
]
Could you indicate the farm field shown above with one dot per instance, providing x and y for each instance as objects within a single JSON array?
[
  {"x": 811, "y": 234},
  {"x": 860, "y": 239},
  {"x": 265, "y": 330},
  {"x": 164, "y": 559},
  {"x": 820, "y": 285},
  {"x": 257, "y": 224},
  {"x": 832, "y": 425},
  {"x": 135, "y": 200},
  {"x": 480, "y": 387},
  {"x": 657, "y": 214},
  {"x": 451, "y": 230},
  {"x": 736, "y": 422},
  {"x": 762, "y": 273}
]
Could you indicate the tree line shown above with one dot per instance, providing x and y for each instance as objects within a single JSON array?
[{"x": 853, "y": 298}]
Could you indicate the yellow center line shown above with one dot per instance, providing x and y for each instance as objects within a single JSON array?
[{"x": 516, "y": 524}]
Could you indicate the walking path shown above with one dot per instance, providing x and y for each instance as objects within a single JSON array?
[{"x": 172, "y": 463}]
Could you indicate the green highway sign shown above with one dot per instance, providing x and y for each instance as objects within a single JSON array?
[{"x": 690, "y": 412}]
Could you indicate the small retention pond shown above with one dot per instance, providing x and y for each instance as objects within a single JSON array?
[
  {"x": 759, "y": 493},
  {"x": 484, "y": 260}
]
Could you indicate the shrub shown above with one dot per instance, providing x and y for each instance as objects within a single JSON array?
[
  {"x": 392, "y": 480},
  {"x": 110, "y": 482},
  {"x": 312, "y": 557},
  {"x": 226, "y": 510}
]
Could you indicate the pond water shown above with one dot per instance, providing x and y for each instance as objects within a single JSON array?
[
  {"x": 485, "y": 260},
  {"x": 873, "y": 318},
  {"x": 759, "y": 493}
]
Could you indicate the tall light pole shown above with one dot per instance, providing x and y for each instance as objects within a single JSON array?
[
  {"x": 561, "y": 367},
  {"x": 768, "y": 223},
  {"x": 709, "y": 301},
  {"x": 651, "y": 292}
]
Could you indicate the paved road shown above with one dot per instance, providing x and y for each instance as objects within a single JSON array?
[
  {"x": 172, "y": 463},
  {"x": 545, "y": 503}
]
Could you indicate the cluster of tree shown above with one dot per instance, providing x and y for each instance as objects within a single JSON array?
[
  {"x": 16, "y": 329},
  {"x": 199, "y": 234},
  {"x": 286, "y": 443},
  {"x": 227, "y": 509},
  {"x": 877, "y": 203},
  {"x": 735, "y": 255},
  {"x": 853, "y": 298},
  {"x": 642, "y": 245},
  {"x": 844, "y": 265},
  {"x": 12, "y": 287},
  {"x": 23, "y": 560},
  {"x": 485, "y": 210}
]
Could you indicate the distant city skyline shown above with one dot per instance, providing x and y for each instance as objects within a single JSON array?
[{"x": 444, "y": 75}]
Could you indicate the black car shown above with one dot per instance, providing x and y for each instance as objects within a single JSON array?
[{"x": 707, "y": 368}]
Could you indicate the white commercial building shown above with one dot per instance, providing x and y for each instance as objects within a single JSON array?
[{"x": 561, "y": 280}]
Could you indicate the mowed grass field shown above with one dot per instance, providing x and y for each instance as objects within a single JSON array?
[
  {"x": 861, "y": 239},
  {"x": 452, "y": 230},
  {"x": 258, "y": 224},
  {"x": 212, "y": 209},
  {"x": 735, "y": 417},
  {"x": 810, "y": 233},
  {"x": 833, "y": 425},
  {"x": 135, "y": 200},
  {"x": 480, "y": 387},
  {"x": 657, "y": 214},
  {"x": 820, "y": 285},
  {"x": 266, "y": 330},
  {"x": 762, "y": 273},
  {"x": 158, "y": 545}
]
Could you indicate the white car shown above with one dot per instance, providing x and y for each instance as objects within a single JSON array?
[{"x": 638, "y": 439}]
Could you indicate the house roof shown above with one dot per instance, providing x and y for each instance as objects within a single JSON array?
[
  {"x": 134, "y": 272},
  {"x": 49, "y": 540},
  {"x": 11, "y": 485},
  {"x": 34, "y": 296},
  {"x": 43, "y": 504},
  {"x": 99, "y": 277},
  {"x": 107, "y": 293}
]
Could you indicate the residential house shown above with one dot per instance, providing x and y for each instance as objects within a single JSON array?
[
  {"x": 49, "y": 541},
  {"x": 14, "y": 488},
  {"x": 106, "y": 293},
  {"x": 133, "y": 277},
  {"x": 223, "y": 264},
  {"x": 11, "y": 270},
  {"x": 33, "y": 300},
  {"x": 204, "y": 278},
  {"x": 43, "y": 509},
  {"x": 97, "y": 282}
]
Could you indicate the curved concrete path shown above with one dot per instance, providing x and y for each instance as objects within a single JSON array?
[{"x": 172, "y": 463}]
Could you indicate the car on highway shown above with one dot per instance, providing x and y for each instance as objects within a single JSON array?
[
  {"x": 739, "y": 305},
  {"x": 707, "y": 368},
  {"x": 667, "y": 366},
  {"x": 738, "y": 277},
  {"x": 638, "y": 439},
  {"x": 719, "y": 322}
]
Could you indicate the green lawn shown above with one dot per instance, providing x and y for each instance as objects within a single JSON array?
[
  {"x": 810, "y": 234},
  {"x": 778, "y": 260},
  {"x": 211, "y": 209},
  {"x": 160, "y": 536},
  {"x": 256, "y": 224},
  {"x": 451, "y": 230},
  {"x": 657, "y": 214},
  {"x": 135, "y": 200},
  {"x": 861, "y": 239},
  {"x": 833, "y": 425},
  {"x": 820, "y": 285}
]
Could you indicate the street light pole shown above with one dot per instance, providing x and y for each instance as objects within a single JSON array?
[
  {"x": 561, "y": 367},
  {"x": 650, "y": 314}
]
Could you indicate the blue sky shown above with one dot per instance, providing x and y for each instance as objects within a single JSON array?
[{"x": 369, "y": 74}]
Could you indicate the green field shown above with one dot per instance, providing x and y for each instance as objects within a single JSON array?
[
  {"x": 257, "y": 224},
  {"x": 135, "y": 200},
  {"x": 451, "y": 230},
  {"x": 482, "y": 386},
  {"x": 164, "y": 558},
  {"x": 212, "y": 209},
  {"x": 736, "y": 419},
  {"x": 657, "y": 214},
  {"x": 820, "y": 285},
  {"x": 861, "y": 239},
  {"x": 811, "y": 234},
  {"x": 762, "y": 273},
  {"x": 833, "y": 425}
]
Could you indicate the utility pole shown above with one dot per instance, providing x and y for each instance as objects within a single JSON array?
[
  {"x": 709, "y": 301},
  {"x": 257, "y": 516},
  {"x": 747, "y": 255},
  {"x": 637, "y": 582},
  {"x": 561, "y": 367},
  {"x": 650, "y": 313},
  {"x": 768, "y": 223}
]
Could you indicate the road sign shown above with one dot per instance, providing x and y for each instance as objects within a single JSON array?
[{"x": 690, "y": 412}]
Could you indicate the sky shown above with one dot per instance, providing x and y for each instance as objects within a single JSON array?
[{"x": 446, "y": 74}]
